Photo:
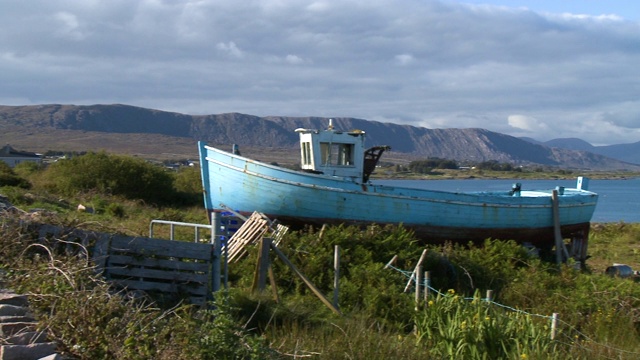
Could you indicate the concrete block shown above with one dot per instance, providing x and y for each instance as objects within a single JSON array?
[
  {"x": 13, "y": 310},
  {"x": 27, "y": 352},
  {"x": 53, "y": 357},
  {"x": 27, "y": 338},
  {"x": 10, "y": 319},
  {"x": 10, "y": 298},
  {"x": 9, "y": 329}
]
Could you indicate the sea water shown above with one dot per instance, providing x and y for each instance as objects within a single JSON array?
[{"x": 618, "y": 200}]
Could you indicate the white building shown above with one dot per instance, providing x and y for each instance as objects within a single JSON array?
[{"x": 14, "y": 157}]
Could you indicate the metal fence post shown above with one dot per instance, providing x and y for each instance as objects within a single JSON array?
[{"x": 217, "y": 251}]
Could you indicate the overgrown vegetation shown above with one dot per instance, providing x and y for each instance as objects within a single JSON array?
[
  {"x": 599, "y": 316},
  {"x": 117, "y": 175},
  {"x": 8, "y": 177}
]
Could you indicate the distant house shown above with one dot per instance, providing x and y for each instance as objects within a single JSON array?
[{"x": 14, "y": 157}]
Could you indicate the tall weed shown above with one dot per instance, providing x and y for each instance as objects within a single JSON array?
[{"x": 454, "y": 328}]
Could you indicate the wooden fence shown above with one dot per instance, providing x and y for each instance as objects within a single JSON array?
[{"x": 183, "y": 269}]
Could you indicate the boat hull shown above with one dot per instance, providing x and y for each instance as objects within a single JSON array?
[{"x": 298, "y": 198}]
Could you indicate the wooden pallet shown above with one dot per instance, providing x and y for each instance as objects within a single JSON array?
[
  {"x": 156, "y": 265},
  {"x": 183, "y": 269}
]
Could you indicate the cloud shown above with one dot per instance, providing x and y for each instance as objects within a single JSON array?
[
  {"x": 419, "y": 62},
  {"x": 527, "y": 123},
  {"x": 69, "y": 26},
  {"x": 230, "y": 49},
  {"x": 625, "y": 115},
  {"x": 294, "y": 60},
  {"x": 404, "y": 59}
]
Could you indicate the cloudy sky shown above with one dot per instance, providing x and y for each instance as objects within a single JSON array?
[{"x": 543, "y": 69}]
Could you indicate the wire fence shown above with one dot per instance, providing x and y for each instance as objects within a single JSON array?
[{"x": 577, "y": 334}]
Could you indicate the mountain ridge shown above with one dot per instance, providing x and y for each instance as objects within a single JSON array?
[
  {"x": 623, "y": 152},
  {"x": 124, "y": 121}
]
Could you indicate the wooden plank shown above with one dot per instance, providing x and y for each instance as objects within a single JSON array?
[
  {"x": 163, "y": 287},
  {"x": 152, "y": 274},
  {"x": 306, "y": 280},
  {"x": 176, "y": 265},
  {"x": 559, "y": 241},
  {"x": 391, "y": 262},
  {"x": 144, "y": 264},
  {"x": 262, "y": 266},
  {"x": 274, "y": 286},
  {"x": 200, "y": 300},
  {"x": 101, "y": 252},
  {"x": 413, "y": 274},
  {"x": 169, "y": 248},
  {"x": 159, "y": 247},
  {"x": 160, "y": 265}
]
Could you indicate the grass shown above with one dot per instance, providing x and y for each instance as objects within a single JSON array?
[
  {"x": 611, "y": 243},
  {"x": 87, "y": 318}
]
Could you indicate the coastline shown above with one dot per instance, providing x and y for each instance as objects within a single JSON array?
[{"x": 472, "y": 174}]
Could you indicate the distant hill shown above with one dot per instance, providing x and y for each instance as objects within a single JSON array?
[
  {"x": 137, "y": 130},
  {"x": 624, "y": 152},
  {"x": 570, "y": 143}
]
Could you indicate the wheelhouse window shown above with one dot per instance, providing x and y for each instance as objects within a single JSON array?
[
  {"x": 336, "y": 154},
  {"x": 306, "y": 153}
]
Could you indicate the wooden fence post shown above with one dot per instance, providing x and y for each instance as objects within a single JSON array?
[
  {"x": 489, "y": 295},
  {"x": 274, "y": 286},
  {"x": 413, "y": 274},
  {"x": 262, "y": 266},
  {"x": 427, "y": 285},
  {"x": 391, "y": 262},
  {"x": 305, "y": 280},
  {"x": 418, "y": 285},
  {"x": 336, "y": 275}
]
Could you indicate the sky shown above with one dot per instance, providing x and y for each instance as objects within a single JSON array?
[{"x": 540, "y": 69}]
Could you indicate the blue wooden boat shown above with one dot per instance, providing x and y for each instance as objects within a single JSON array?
[{"x": 333, "y": 187}]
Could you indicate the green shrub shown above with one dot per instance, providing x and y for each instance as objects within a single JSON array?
[
  {"x": 8, "y": 177},
  {"x": 120, "y": 175},
  {"x": 115, "y": 210},
  {"x": 27, "y": 169},
  {"x": 17, "y": 196},
  {"x": 489, "y": 267},
  {"x": 188, "y": 185}
]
